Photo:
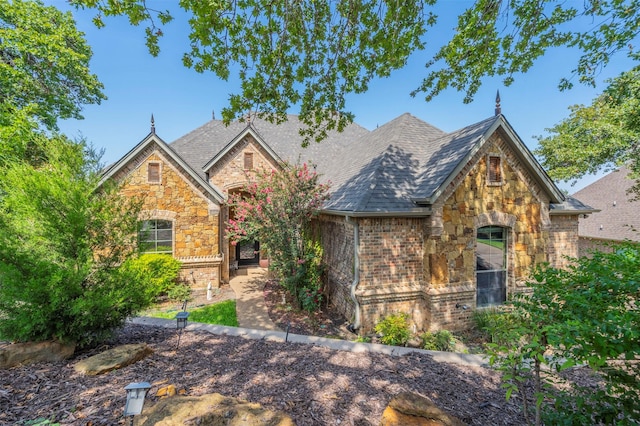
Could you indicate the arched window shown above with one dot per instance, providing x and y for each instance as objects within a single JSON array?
[
  {"x": 491, "y": 266},
  {"x": 156, "y": 236}
]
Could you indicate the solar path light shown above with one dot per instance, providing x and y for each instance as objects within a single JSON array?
[{"x": 135, "y": 398}]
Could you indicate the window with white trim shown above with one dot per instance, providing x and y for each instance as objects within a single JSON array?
[{"x": 156, "y": 236}]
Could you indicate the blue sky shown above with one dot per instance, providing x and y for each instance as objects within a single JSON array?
[{"x": 138, "y": 85}]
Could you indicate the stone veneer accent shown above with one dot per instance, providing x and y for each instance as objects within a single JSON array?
[
  {"x": 469, "y": 203},
  {"x": 195, "y": 217},
  {"x": 426, "y": 266},
  {"x": 228, "y": 173}
]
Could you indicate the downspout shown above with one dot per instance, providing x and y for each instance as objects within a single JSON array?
[{"x": 356, "y": 275}]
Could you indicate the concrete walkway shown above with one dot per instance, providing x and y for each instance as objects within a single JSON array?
[
  {"x": 251, "y": 310},
  {"x": 254, "y": 323}
]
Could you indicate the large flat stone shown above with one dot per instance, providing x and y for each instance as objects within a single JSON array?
[
  {"x": 113, "y": 359},
  {"x": 409, "y": 409},
  {"x": 210, "y": 410},
  {"x": 30, "y": 352}
]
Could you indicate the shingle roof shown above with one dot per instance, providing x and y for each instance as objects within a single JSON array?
[
  {"x": 617, "y": 214},
  {"x": 384, "y": 171},
  {"x": 202, "y": 144}
]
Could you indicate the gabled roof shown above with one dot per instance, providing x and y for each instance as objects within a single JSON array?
[
  {"x": 248, "y": 131},
  {"x": 617, "y": 215},
  {"x": 150, "y": 140},
  {"x": 408, "y": 163},
  {"x": 203, "y": 144}
]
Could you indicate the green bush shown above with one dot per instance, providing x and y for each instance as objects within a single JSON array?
[
  {"x": 61, "y": 242},
  {"x": 158, "y": 274},
  {"x": 492, "y": 321},
  {"x": 394, "y": 329},
  {"x": 441, "y": 340}
]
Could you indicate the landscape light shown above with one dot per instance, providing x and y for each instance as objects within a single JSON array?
[{"x": 135, "y": 398}]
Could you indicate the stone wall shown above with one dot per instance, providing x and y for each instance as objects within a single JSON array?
[
  {"x": 470, "y": 202},
  {"x": 195, "y": 218},
  {"x": 229, "y": 173}
]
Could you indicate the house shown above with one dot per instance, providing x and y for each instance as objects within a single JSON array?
[
  {"x": 617, "y": 219},
  {"x": 422, "y": 221}
]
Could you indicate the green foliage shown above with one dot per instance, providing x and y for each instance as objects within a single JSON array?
[
  {"x": 313, "y": 53},
  {"x": 40, "y": 422},
  {"x": 61, "y": 243},
  {"x": 587, "y": 315},
  {"x": 394, "y": 329},
  {"x": 44, "y": 63},
  {"x": 441, "y": 340},
  {"x": 277, "y": 209},
  {"x": 493, "y": 321},
  {"x": 603, "y": 134},
  {"x": 158, "y": 274}
]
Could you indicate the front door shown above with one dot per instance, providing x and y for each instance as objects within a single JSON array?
[{"x": 248, "y": 253}]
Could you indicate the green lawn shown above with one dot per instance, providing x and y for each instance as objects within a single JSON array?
[
  {"x": 496, "y": 244},
  {"x": 223, "y": 313}
]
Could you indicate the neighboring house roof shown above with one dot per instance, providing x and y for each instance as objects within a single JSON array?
[
  {"x": 152, "y": 139},
  {"x": 401, "y": 167},
  {"x": 617, "y": 216}
]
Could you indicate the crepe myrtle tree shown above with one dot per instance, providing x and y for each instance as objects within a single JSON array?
[
  {"x": 276, "y": 208},
  {"x": 311, "y": 54}
]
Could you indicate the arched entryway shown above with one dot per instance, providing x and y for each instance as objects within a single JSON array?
[{"x": 246, "y": 253}]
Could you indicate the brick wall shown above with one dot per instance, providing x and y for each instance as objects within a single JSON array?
[
  {"x": 337, "y": 240},
  {"x": 563, "y": 239}
]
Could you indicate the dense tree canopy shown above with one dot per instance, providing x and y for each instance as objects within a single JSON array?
[
  {"x": 312, "y": 53},
  {"x": 603, "y": 134},
  {"x": 44, "y": 64}
]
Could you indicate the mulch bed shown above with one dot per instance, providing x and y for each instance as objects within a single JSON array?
[{"x": 313, "y": 385}]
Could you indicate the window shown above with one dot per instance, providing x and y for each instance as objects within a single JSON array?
[
  {"x": 153, "y": 172},
  {"x": 491, "y": 266},
  {"x": 156, "y": 236},
  {"x": 248, "y": 160},
  {"x": 494, "y": 172}
]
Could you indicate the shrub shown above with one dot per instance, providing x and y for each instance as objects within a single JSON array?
[
  {"x": 441, "y": 340},
  {"x": 61, "y": 241},
  {"x": 158, "y": 274},
  {"x": 394, "y": 329},
  {"x": 493, "y": 321}
]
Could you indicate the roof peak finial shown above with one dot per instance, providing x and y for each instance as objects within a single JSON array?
[
  {"x": 153, "y": 125},
  {"x": 498, "y": 108}
]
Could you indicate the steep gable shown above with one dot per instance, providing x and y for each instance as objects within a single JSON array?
[{"x": 151, "y": 144}]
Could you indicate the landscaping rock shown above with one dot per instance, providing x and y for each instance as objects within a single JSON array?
[
  {"x": 409, "y": 409},
  {"x": 30, "y": 352},
  {"x": 113, "y": 359},
  {"x": 210, "y": 410}
]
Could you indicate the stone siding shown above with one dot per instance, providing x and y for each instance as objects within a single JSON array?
[
  {"x": 470, "y": 202},
  {"x": 228, "y": 172},
  {"x": 195, "y": 218}
]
